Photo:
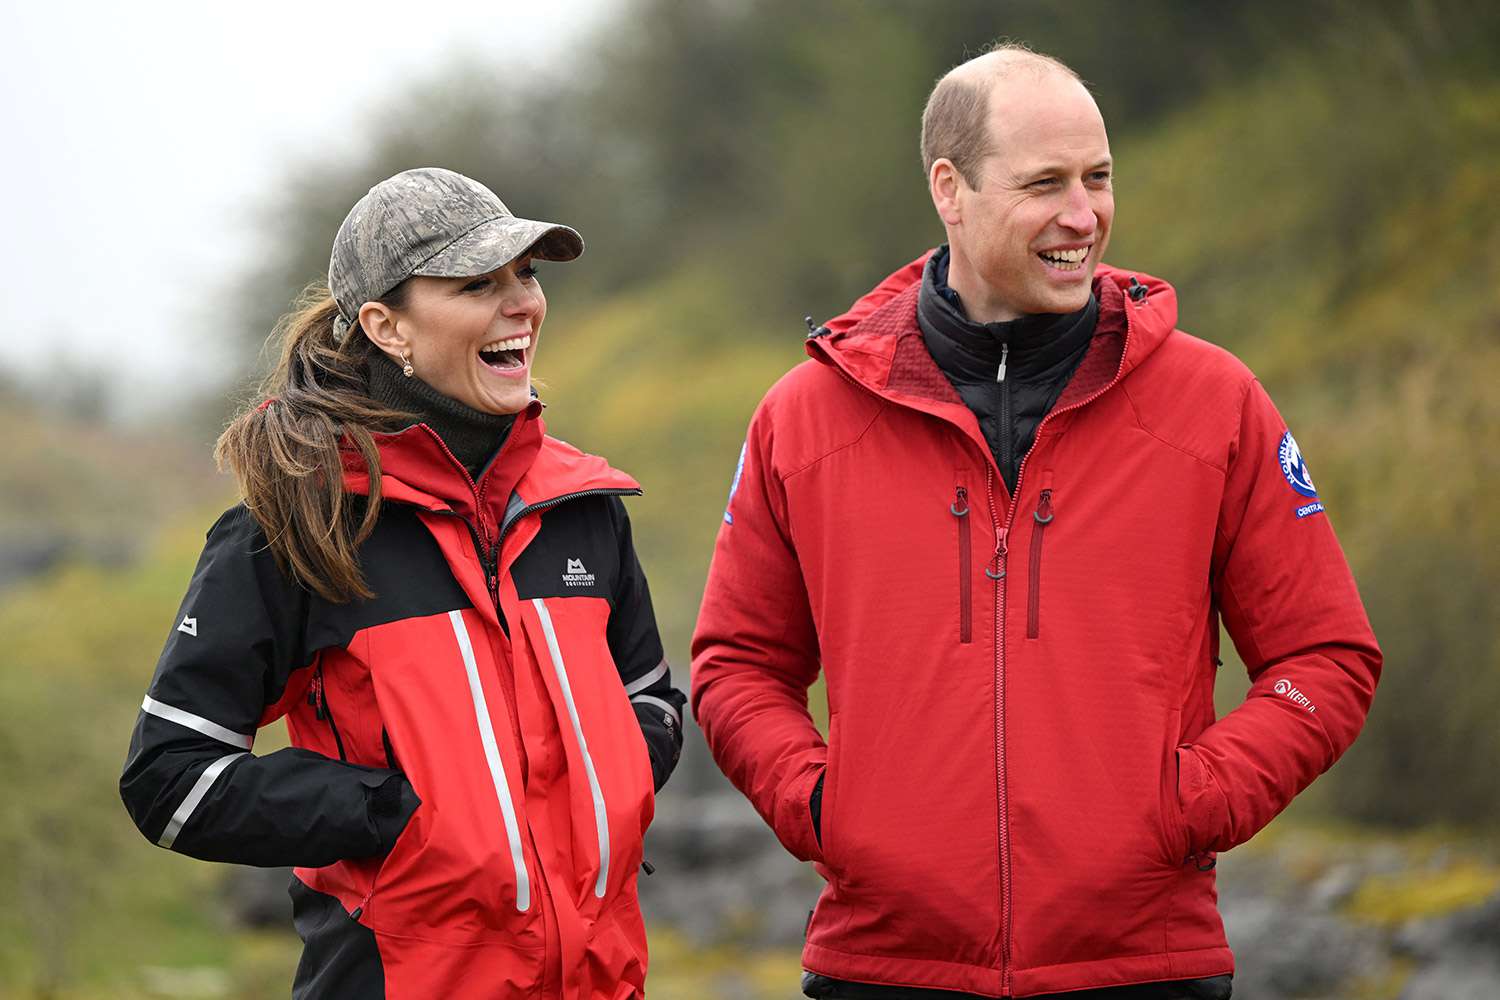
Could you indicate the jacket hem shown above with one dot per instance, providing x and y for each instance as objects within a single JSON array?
[{"x": 966, "y": 978}]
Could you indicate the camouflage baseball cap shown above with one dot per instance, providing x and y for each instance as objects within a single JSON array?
[{"x": 435, "y": 222}]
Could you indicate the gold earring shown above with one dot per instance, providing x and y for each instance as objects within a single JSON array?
[{"x": 406, "y": 368}]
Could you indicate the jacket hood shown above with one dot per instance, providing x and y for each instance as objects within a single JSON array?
[{"x": 885, "y": 353}]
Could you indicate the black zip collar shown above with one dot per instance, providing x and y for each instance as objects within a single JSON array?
[{"x": 1032, "y": 348}]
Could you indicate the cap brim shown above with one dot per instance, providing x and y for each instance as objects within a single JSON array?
[{"x": 497, "y": 242}]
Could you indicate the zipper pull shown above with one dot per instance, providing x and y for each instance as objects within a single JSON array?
[
  {"x": 960, "y": 505},
  {"x": 315, "y": 697},
  {"x": 1043, "y": 512},
  {"x": 1004, "y": 354},
  {"x": 998, "y": 573}
]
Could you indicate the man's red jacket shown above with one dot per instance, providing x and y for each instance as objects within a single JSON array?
[{"x": 1025, "y": 780}]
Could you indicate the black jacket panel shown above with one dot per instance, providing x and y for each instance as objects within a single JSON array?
[
  {"x": 637, "y": 651},
  {"x": 190, "y": 782}
]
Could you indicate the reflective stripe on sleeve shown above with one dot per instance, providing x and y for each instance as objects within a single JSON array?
[
  {"x": 200, "y": 788},
  {"x": 492, "y": 757},
  {"x": 197, "y": 722},
  {"x": 665, "y": 706},
  {"x": 647, "y": 679},
  {"x": 601, "y": 821}
]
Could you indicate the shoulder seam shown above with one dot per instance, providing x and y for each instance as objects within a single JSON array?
[
  {"x": 1141, "y": 423},
  {"x": 879, "y": 410}
]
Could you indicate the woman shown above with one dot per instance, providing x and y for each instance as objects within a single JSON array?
[{"x": 446, "y": 607}]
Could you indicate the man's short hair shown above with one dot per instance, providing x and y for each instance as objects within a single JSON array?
[{"x": 955, "y": 123}]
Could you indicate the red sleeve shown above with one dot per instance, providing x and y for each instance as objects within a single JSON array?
[
  {"x": 893, "y": 285},
  {"x": 1289, "y": 603},
  {"x": 755, "y": 652}
]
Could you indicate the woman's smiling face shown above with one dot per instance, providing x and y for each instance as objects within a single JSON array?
[{"x": 472, "y": 339}]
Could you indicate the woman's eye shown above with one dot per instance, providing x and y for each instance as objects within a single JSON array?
[
  {"x": 478, "y": 284},
  {"x": 527, "y": 273}
]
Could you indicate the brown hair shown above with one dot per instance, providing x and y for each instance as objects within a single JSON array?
[
  {"x": 285, "y": 451},
  {"x": 955, "y": 123}
]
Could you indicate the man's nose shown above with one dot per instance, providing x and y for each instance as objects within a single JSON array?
[{"x": 1078, "y": 212}]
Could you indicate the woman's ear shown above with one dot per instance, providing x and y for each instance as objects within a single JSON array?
[{"x": 379, "y": 324}]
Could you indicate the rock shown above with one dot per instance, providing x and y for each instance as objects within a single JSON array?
[
  {"x": 257, "y": 897},
  {"x": 1456, "y": 977},
  {"x": 1334, "y": 887},
  {"x": 1284, "y": 950}
]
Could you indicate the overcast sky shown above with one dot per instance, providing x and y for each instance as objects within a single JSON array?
[{"x": 139, "y": 137}]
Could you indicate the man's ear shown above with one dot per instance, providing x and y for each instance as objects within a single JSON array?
[
  {"x": 379, "y": 323},
  {"x": 944, "y": 183}
]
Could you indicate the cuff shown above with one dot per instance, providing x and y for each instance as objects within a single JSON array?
[
  {"x": 390, "y": 805},
  {"x": 794, "y": 826}
]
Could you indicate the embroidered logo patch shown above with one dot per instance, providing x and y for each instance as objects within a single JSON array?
[
  {"x": 1294, "y": 468},
  {"x": 577, "y": 575},
  {"x": 739, "y": 470}
]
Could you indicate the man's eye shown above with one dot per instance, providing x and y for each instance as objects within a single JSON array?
[
  {"x": 1044, "y": 182},
  {"x": 478, "y": 284},
  {"x": 1100, "y": 177}
]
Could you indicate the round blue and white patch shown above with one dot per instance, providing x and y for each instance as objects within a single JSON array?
[
  {"x": 1294, "y": 467},
  {"x": 734, "y": 487}
]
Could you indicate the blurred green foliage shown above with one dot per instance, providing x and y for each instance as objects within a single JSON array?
[{"x": 1315, "y": 178}]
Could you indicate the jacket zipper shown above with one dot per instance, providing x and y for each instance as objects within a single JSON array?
[
  {"x": 960, "y": 510},
  {"x": 532, "y": 508},
  {"x": 1006, "y": 419},
  {"x": 390, "y": 751},
  {"x": 997, "y": 574},
  {"x": 1043, "y": 515},
  {"x": 317, "y": 697},
  {"x": 1010, "y": 514}
]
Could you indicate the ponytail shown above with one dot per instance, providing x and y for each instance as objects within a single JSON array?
[{"x": 285, "y": 452}]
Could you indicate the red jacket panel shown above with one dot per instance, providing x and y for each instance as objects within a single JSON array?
[{"x": 1023, "y": 774}]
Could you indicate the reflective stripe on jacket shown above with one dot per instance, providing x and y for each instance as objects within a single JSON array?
[{"x": 1025, "y": 780}]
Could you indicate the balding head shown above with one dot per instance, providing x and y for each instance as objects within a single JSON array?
[{"x": 955, "y": 123}]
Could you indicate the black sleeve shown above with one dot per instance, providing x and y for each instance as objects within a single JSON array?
[
  {"x": 190, "y": 781},
  {"x": 637, "y": 651}
]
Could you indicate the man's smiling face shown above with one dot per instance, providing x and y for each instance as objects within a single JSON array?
[{"x": 1027, "y": 237}]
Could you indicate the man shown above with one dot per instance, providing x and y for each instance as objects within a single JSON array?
[{"x": 1005, "y": 507}]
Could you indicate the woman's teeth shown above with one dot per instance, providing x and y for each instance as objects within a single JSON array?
[
  {"x": 1064, "y": 260},
  {"x": 509, "y": 344},
  {"x": 505, "y": 353}
]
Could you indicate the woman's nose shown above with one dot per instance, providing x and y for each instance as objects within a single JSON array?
[{"x": 520, "y": 298}]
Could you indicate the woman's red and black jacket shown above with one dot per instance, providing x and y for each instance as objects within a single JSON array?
[{"x": 475, "y": 749}]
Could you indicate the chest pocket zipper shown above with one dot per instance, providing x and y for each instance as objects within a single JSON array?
[
  {"x": 960, "y": 510},
  {"x": 317, "y": 697},
  {"x": 1044, "y": 515}
]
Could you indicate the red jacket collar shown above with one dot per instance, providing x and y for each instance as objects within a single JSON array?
[
  {"x": 885, "y": 352},
  {"x": 417, "y": 468}
]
